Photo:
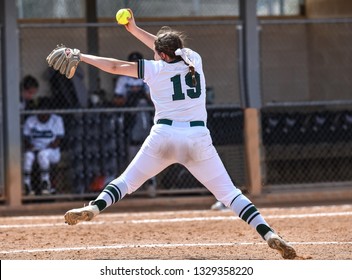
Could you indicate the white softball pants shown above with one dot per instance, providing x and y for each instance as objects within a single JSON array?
[{"x": 189, "y": 146}]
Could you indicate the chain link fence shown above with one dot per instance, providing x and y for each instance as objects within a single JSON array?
[
  {"x": 306, "y": 114},
  {"x": 99, "y": 138},
  {"x": 98, "y": 145},
  {"x": 306, "y": 145},
  {"x": 156, "y": 8},
  {"x": 307, "y": 117}
]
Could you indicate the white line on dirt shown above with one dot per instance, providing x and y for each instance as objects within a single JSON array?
[
  {"x": 138, "y": 246},
  {"x": 178, "y": 220},
  {"x": 346, "y": 207}
]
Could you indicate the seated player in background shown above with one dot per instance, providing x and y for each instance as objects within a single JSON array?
[{"x": 42, "y": 137}]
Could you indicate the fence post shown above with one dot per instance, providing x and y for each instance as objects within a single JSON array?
[
  {"x": 251, "y": 96},
  {"x": 253, "y": 150},
  {"x": 250, "y": 93},
  {"x": 12, "y": 129},
  {"x": 92, "y": 44}
]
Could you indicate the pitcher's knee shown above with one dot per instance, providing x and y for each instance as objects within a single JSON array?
[{"x": 227, "y": 197}]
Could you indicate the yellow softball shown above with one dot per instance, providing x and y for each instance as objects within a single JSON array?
[{"x": 122, "y": 16}]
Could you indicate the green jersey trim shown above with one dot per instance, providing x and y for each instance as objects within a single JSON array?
[{"x": 141, "y": 68}]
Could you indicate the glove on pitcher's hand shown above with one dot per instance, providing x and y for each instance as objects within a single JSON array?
[{"x": 65, "y": 60}]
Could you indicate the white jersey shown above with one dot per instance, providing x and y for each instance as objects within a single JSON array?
[
  {"x": 171, "y": 89},
  {"x": 42, "y": 134}
]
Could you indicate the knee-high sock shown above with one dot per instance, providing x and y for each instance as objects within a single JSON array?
[
  {"x": 112, "y": 193},
  {"x": 245, "y": 209}
]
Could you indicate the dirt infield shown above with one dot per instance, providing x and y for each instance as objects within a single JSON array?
[{"x": 319, "y": 232}]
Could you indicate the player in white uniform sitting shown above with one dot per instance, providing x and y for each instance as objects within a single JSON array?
[
  {"x": 179, "y": 135},
  {"x": 129, "y": 89},
  {"x": 42, "y": 136}
]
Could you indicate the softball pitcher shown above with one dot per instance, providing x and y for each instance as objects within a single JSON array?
[{"x": 179, "y": 135}]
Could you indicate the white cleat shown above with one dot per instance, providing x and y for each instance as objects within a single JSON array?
[
  {"x": 277, "y": 243},
  {"x": 86, "y": 213},
  {"x": 218, "y": 206}
]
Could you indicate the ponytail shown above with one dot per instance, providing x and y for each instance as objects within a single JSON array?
[
  {"x": 193, "y": 73},
  {"x": 183, "y": 54}
]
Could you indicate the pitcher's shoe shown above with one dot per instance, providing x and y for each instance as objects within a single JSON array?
[
  {"x": 277, "y": 243},
  {"x": 86, "y": 213}
]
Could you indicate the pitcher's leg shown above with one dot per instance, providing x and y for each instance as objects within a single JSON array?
[
  {"x": 224, "y": 190},
  {"x": 140, "y": 169},
  {"x": 213, "y": 175}
]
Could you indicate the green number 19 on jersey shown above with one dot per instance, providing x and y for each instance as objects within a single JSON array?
[{"x": 192, "y": 92}]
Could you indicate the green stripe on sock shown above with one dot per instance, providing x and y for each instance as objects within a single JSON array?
[
  {"x": 263, "y": 229},
  {"x": 101, "y": 204},
  {"x": 116, "y": 188},
  {"x": 249, "y": 212},
  {"x": 114, "y": 192}
]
